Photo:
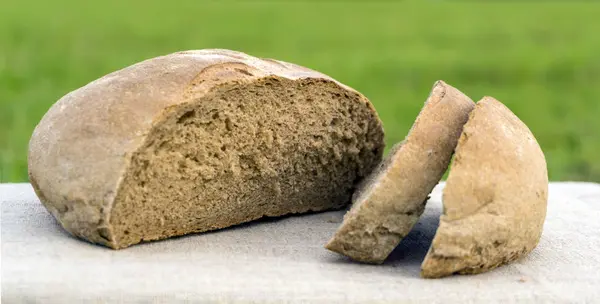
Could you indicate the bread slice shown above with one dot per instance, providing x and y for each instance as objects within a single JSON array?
[
  {"x": 197, "y": 141},
  {"x": 389, "y": 203},
  {"x": 495, "y": 196}
]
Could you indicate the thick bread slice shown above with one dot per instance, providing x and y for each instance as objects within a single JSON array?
[
  {"x": 495, "y": 196},
  {"x": 389, "y": 203},
  {"x": 200, "y": 140}
]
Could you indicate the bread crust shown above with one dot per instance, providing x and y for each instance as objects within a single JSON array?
[
  {"x": 390, "y": 202},
  {"x": 82, "y": 147},
  {"x": 495, "y": 196}
]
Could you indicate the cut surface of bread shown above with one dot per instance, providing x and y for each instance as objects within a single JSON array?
[
  {"x": 197, "y": 141},
  {"x": 495, "y": 196},
  {"x": 389, "y": 202}
]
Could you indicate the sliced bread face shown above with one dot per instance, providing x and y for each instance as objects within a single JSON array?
[
  {"x": 495, "y": 196},
  {"x": 388, "y": 204},
  {"x": 197, "y": 141}
]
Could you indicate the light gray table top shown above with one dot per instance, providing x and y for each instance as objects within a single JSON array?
[{"x": 283, "y": 260}]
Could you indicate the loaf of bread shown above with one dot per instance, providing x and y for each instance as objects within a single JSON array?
[
  {"x": 495, "y": 196},
  {"x": 197, "y": 141},
  {"x": 391, "y": 200}
]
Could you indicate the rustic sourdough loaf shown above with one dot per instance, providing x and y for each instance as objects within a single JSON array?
[
  {"x": 200, "y": 140},
  {"x": 390, "y": 201},
  {"x": 495, "y": 196}
]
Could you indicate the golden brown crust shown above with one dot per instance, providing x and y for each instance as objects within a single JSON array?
[
  {"x": 495, "y": 196},
  {"x": 392, "y": 200},
  {"x": 82, "y": 147}
]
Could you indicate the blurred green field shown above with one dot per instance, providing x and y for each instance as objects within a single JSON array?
[{"x": 542, "y": 59}]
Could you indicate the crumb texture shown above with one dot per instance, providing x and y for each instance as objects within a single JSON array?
[
  {"x": 267, "y": 148},
  {"x": 495, "y": 196}
]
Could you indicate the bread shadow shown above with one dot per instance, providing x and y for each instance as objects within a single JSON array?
[
  {"x": 329, "y": 214},
  {"x": 264, "y": 222},
  {"x": 407, "y": 257},
  {"x": 412, "y": 249}
]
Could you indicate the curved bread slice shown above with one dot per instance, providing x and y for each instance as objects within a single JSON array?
[
  {"x": 200, "y": 140},
  {"x": 495, "y": 196},
  {"x": 390, "y": 202}
]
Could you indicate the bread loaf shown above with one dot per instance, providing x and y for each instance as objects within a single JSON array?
[
  {"x": 495, "y": 196},
  {"x": 389, "y": 203},
  {"x": 197, "y": 141}
]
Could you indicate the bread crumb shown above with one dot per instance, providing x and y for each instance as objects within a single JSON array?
[{"x": 333, "y": 220}]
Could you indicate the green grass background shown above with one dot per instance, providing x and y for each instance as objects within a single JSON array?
[{"x": 542, "y": 59}]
